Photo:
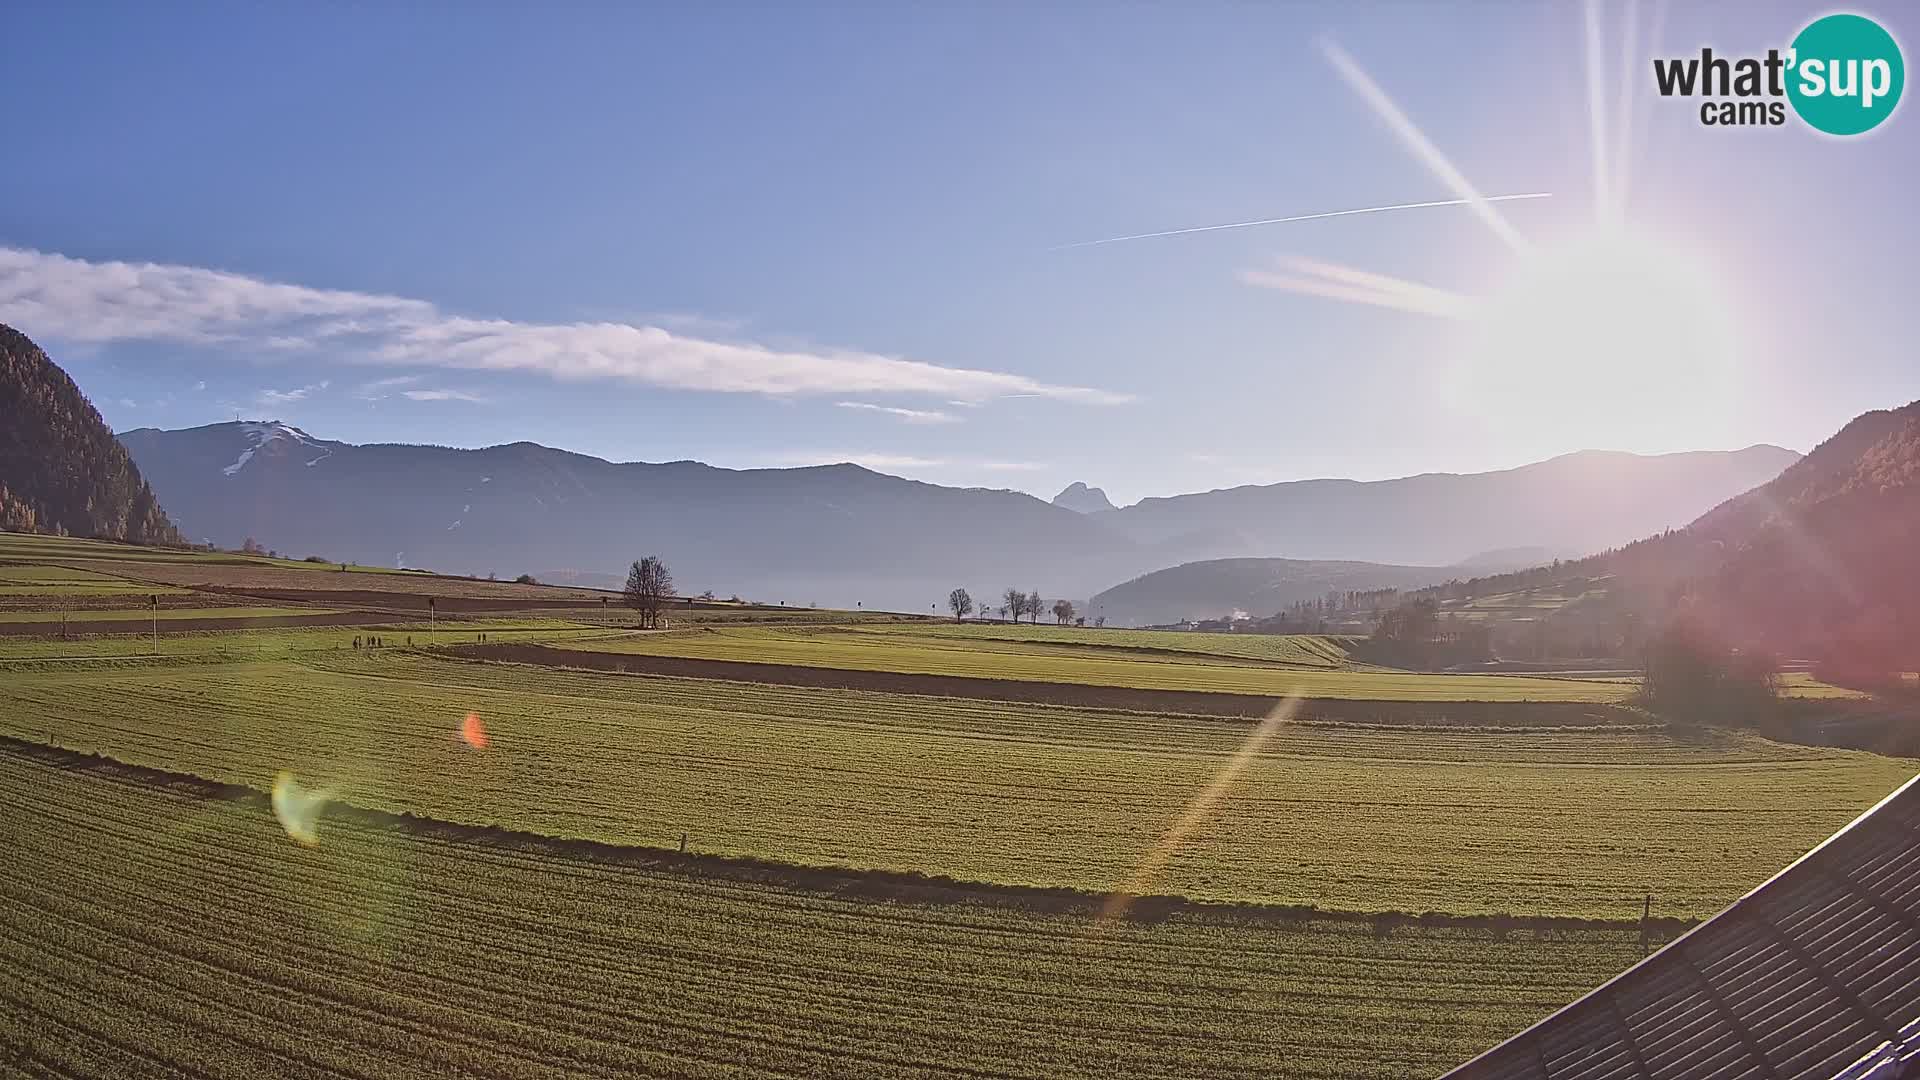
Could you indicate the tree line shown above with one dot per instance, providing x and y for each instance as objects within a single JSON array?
[{"x": 1015, "y": 603}]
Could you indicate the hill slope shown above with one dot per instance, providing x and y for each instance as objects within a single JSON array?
[
  {"x": 61, "y": 470},
  {"x": 1580, "y": 502},
  {"x": 1822, "y": 562},
  {"x": 1825, "y": 560},
  {"x": 1216, "y": 588}
]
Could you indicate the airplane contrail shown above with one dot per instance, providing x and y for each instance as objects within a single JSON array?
[{"x": 1307, "y": 217}]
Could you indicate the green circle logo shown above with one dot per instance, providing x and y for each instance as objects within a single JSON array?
[{"x": 1846, "y": 74}]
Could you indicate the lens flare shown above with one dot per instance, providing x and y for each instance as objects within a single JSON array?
[
  {"x": 1198, "y": 811},
  {"x": 298, "y": 808},
  {"x": 473, "y": 731}
]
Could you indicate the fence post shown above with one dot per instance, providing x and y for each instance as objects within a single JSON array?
[{"x": 1646, "y": 916}]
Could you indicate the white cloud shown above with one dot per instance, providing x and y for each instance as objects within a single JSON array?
[
  {"x": 911, "y": 416},
  {"x": 287, "y": 397},
  {"x": 201, "y": 385},
  {"x": 80, "y": 301},
  {"x": 444, "y": 395},
  {"x": 128, "y": 403}
]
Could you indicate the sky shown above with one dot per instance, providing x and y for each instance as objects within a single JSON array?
[{"x": 764, "y": 235}]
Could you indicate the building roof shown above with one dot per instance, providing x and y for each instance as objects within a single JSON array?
[{"x": 1805, "y": 976}]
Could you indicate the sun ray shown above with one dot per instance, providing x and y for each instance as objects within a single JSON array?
[
  {"x": 1624, "y": 112},
  {"x": 1597, "y": 116},
  {"x": 1333, "y": 281},
  {"x": 1633, "y": 133},
  {"x": 1370, "y": 92}
]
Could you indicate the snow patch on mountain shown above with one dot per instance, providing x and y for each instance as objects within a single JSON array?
[{"x": 261, "y": 435}]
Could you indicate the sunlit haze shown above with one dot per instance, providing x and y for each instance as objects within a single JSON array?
[{"x": 849, "y": 242}]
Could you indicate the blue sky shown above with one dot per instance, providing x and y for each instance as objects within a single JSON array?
[{"x": 765, "y": 235}]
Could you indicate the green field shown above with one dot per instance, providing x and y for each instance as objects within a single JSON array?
[
  {"x": 31, "y": 547},
  {"x": 859, "y": 649},
  {"x": 150, "y": 931},
  {"x": 1531, "y": 822},
  {"x": 288, "y": 641},
  {"x": 27, "y": 580},
  {"x": 1298, "y": 650},
  {"x": 152, "y": 925}
]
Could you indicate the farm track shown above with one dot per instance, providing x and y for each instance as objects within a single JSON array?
[
  {"x": 1073, "y": 694},
  {"x": 187, "y": 936}
]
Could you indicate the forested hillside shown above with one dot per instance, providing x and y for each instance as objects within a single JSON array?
[
  {"x": 1821, "y": 563},
  {"x": 61, "y": 469}
]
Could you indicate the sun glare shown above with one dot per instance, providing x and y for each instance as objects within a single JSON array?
[{"x": 1608, "y": 325}]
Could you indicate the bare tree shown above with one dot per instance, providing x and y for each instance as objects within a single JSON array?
[
  {"x": 1015, "y": 603},
  {"x": 1035, "y": 606},
  {"x": 1063, "y": 611},
  {"x": 960, "y": 603},
  {"x": 649, "y": 584}
]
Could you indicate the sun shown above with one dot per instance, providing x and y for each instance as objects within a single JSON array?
[{"x": 1607, "y": 332}]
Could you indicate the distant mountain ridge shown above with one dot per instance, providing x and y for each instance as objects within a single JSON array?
[
  {"x": 61, "y": 470},
  {"x": 1581, "y": 502},
  {"x": 842, "y": 534},
  {"x": 1082, "y": 499},
  {"x": 1222, "y": 588}
]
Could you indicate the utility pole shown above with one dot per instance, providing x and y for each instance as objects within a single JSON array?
[
  {"x": 153, "y": 601},
  {"x": 433, "y": 618}
]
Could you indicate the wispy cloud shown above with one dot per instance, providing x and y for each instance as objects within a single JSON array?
[
  {"x": 81, "y": 301},
  {"x": 201, "y": 385},
  {"x": 380, "y": 389},
  {"x": 911, "y": 416},
  {"x": 444, "y": 395},
  {"x": 1314, "y": 277},
  {"x": 287, "y": 397}
]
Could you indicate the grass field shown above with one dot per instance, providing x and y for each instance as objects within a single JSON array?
[
  {"x": 1569, "y": 822},
  {"x": 986, "y": 657},
  {"x": 151, "y": 925},
  {"x": 151, "y": 931},
  {"x": 31, "y": 547},
  {"x": 284, "y": 641},
  {"x": 1299, "y": 650},
  {"x": 40, "y": 580}
]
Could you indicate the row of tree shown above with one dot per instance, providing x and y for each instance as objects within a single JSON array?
[{"x": 1013, "y": 604}]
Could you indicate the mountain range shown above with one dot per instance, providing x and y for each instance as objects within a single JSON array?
[{"x": 845, "y": 535}]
